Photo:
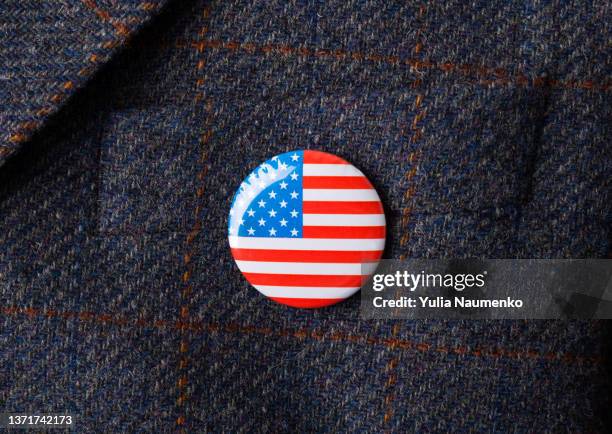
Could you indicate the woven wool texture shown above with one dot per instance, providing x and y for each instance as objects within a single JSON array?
[{"x": 126, "y": 127}]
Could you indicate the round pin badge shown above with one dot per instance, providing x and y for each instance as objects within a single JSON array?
[{"x": 307, "y": 229}]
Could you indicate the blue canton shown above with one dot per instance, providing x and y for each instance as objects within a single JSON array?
[{"x": 269, "y": 202}]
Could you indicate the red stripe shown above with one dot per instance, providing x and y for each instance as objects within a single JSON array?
[
  {"x": 344, "y": 232},
  {"x": 303, "y": 280},
  {"x": 336, "y": 182},
  {"x": 309, "y": 303},
  {"x": 318, "y": 157},
  {"x": 323, "y": 256},
  {"x": 322, "y": 207}
]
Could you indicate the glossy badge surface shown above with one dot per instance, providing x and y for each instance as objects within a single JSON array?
[{"x": 306, "y": 229}]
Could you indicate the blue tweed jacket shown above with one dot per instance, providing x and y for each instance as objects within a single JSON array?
[{"x": 126, "y": 126}]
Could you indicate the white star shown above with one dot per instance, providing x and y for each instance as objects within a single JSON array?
[
  {"x": 283, "y": 204},
  {"x": 283, "y": 185},
  {"x": 294, "y": 213},
  {"x": 282, "y": 166},
  {"x": 272, "y": 194},
  {"x": 240, "y": 222},
  {"x": 272, "y": 213},
  {"x": 262, "y": 203},
  {"x": 251, "y": 213},
  {"x": 272, "y": 232},
  {"x": 283, "y": 222},
  {"x": 294, "y": 176},
  {"x": 294, "y": 232},
  {"x": 294, "y": 194},
  {"x": 262, "y": 222},
  {"x": 295, "y": 157},
  {"x": 251, "y": 231}
]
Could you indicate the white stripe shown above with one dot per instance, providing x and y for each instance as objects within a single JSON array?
[
  {"x": 331, "y": 170},
  {"x": 344, "y": 219},
  {"x": 311, "y": 268},
  {"x": 341, "y": 195},
  {"x": 305, "y": 291},
  {"x": 349, "y": 244}
]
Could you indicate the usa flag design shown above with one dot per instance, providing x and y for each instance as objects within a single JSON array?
[{"x": 306, "y": 228}]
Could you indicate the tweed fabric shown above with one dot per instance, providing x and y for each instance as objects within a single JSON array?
[{"x": 483, "y": 126}]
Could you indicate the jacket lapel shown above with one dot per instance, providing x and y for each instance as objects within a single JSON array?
[{"x": 48, "y": 55}]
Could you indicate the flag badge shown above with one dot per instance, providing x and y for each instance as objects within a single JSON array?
[{"x": 306, "y": 229}]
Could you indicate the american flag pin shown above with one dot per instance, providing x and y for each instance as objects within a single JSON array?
[{"x": 306, "y": 229}]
